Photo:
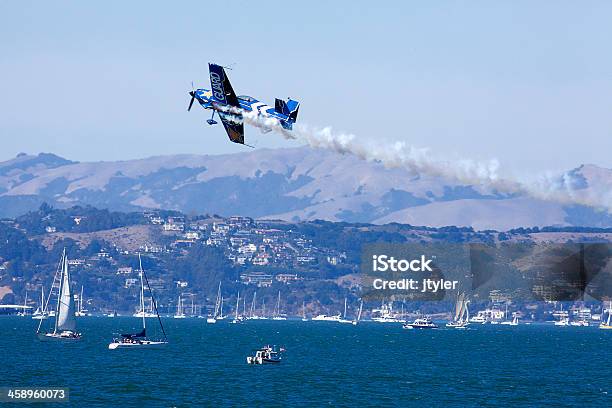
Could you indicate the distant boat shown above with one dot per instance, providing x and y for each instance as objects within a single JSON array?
[
  {"x": 136, "y": 340},
  {"x": 421, "y": 323},
  {"x": 304, "y": 319},
  {"x": 462, "y": 314},
  {"x": 513, "y": 322},
  {"x": 356, "y": 321},
  {"x": 38, "y": 313},
  {"x": 65, "y": 321},
  {"x": 563, "y": 317},
  {"x": 23, "y": 312},
  {"x": 385, "y": 314},
  {"x": 81, "y": 312},
  {"x": 344, "y": 319},
  {"x": 607, "y": 325},
  {"x": 327, "y": 318},
  {"x": 277, "y": 313},
  {"x": 213, "y": 319},
  {"x": 179, "y": 309},
  {"x": 237, "y": 318}
]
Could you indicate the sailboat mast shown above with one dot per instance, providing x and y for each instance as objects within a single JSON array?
[
  {"x": 142, "y": 306},
  {"x": 61, "y": 285},
  {"x": 237, "y": 305},
  {"x": 152, "y": 299}
]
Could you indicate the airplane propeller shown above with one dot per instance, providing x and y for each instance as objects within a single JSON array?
[{"x": 192, "y": 93}]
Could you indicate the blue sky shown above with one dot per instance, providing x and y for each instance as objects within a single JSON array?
[{"x": 529, "y": 83}]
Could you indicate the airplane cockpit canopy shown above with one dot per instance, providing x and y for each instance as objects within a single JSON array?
[{"x": 247, "y": 98}]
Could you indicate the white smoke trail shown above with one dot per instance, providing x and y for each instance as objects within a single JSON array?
[{"x": 559, "y": 188}]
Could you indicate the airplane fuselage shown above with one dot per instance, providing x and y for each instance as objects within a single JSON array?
[{"x": 209, "y": 100}]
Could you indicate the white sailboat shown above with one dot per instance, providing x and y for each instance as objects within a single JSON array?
[
  {"x": 608, "y": 324},
  {"x": 356, "y": 321},
  {"x": 513, "y": 322},
  {"x": 462, "y": 313},
  {"x": 304, "y": 319},
  {"x": 277, "y": 313},
  {"x": 344, "y": 319},
  {"x": 25, "y": 303},
  {"x": 237, "y": 318},
  {"x": 179, "y": 309},
  {"x": 65, "y": 321},
  {"x": 136, "y": 340},
  {"x": 213, "y": 319},
  {"x": 80, "y": 310},
  {"x": 38, "y": 313}
]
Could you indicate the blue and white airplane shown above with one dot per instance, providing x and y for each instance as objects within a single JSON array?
[{"x": 223, "y": 100}]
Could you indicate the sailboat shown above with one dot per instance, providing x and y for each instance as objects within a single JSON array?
[
  {"x": 462, "y": 314},
  {"x": 356, "y": 321},
  {"x": 344, "y": 319},
  {"x": 608, "y": 324},
  {"x": 179, "y": 309},
  {"x": 304, "y": 319},
  {"x": 213, "y": 319},
  {"x": 38, "y": 313},
  {"x": 277, "y": 314},
  {"x": 133, "y": 340},
  {"x": 513, "y": 322},
  {"x": 80, "y": 311},
  {"x": 237, "y": 318},
  {"x": 221, "y": 317},
  {"x": 65, "y": 321},
  {"x": 25, "y": 303}
]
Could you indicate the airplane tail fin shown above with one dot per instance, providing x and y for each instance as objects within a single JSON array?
[{"x": 289, "y": 108}]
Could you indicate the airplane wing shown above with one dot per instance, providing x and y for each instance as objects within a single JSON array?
[
  {"x": 224, "y": 94},
  {"x": 234, "y": 126}
]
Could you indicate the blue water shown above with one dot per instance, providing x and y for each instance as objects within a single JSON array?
[{"x": 325, "y": 364}]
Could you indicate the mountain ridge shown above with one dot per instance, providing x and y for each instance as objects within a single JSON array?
[{"x": 292, "y": 184}]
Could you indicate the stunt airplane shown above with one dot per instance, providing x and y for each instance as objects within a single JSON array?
[{"x": 223, "y": 100}]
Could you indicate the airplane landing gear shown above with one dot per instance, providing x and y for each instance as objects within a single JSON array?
[{"x": 212, "y": 120}]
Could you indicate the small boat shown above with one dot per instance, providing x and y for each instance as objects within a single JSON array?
[
  {"x": 478, "y": 319},
  {"x": 65, "y": 321},
  {"x": 385, "y": 314},
  {"x": 607, "y": 325},
  {"x": 462, "y": 314},
  {"x": 421, "y": 323},
  {"x": 266, "y": 355},
  {"x": 327, "y": 318},
  {"x": 135, "y": 340}
]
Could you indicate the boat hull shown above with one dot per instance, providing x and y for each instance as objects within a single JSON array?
[{"x": 141, "y": 344}]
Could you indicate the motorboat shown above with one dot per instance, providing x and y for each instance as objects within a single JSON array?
[
  {"x": 266, "y": 355},
  {"x": 421, "y": 323}
]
